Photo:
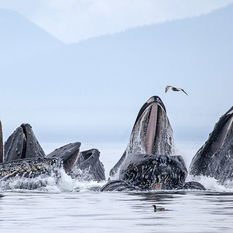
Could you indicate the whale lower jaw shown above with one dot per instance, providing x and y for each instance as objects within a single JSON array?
[
  {"x": 121, "y": 185},
  {"x": 29, "y": 168},
  {"x": 152, "y": 172}
]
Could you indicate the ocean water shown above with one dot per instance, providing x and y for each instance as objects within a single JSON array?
[{"x": 74, "y": 206}]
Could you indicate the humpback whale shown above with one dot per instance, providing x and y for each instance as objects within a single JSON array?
[
  {"x": 88, "y": 166},
  {"x": 22, "y": 144},
  {"x": 151, "y": 133},
  {"x": 24, "y": 157},
  {"x": 149, "y": 162},
  {"x": 64, "y": 157},
  {"x": 215, "y": 157},
  {"x": 150, "y": 172},
  {"x": 68, "y": 154}
]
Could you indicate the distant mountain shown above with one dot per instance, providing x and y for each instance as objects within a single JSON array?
[
  {"x": 93, "y": 90},
  {"x": 20, "y": 38}
]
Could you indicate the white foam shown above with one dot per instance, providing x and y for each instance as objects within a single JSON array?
[
  {"x": 56, "y": 182},
  {"x": 212, "y": 184}
]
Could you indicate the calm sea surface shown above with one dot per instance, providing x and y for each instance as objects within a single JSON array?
[
  {"x": 71, "y": 206},
  {"x": 91, "y": 211}
]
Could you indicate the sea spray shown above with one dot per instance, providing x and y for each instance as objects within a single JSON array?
[
  {"x": 211, "y": 184},
  {"x": 57, "y": 181}
]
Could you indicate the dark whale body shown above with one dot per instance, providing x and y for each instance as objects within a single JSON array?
[
  {"x": 151, "y": 172},
  {"x": 22, "y": 144},
  {"x": 149, "y": 162},
  {"x": 64, "y": 157},
  {"x": 89, "y": 167},
  {"x": 28, "y": 168},
  {"x": 69, "y": 154},
  {"x": 25, "y": 158},
  {"x": 215, "y": 157}
]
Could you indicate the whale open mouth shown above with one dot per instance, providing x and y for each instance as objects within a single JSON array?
[
  {"x": 89, "y": 156},
  {"x": 214, "y": 157},
  {"x": 68, "y": 154},
  {"x": 151, "y": 133},
  {"x": 222, "y": 130},
  {"x": 152, "y": 100},
  {"x": 22, "y": 144},
  {"x": 88, "y": 160}
]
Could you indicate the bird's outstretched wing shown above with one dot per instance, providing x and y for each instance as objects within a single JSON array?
[
  {"x": 167, "y": 88},
  {"x": 174, "y": 89},
  {"x": 184, "y": 91}
]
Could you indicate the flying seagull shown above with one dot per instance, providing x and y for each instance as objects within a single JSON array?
[{"x": 175, "y": 89}]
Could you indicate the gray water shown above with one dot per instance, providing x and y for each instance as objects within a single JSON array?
[
  {"x": 92, "y": 211},
  {"x": 74, "y": 206}
]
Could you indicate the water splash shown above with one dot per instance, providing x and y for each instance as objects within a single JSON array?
[
  {"x": 212, "y": 184},
  {"x": 57, "y": 181}
]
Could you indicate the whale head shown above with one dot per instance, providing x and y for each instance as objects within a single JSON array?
[
  {"x": 89, "y": 161},
  {"x": 68, "y": 154},
  {"x": 215, "y": 157},
  {"x": 151, "y": 133},
  {"x": 22, "y": 144}
]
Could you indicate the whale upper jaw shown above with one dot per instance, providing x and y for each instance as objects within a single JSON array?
[
  {"x": 148, "y": 103},
  {"x": 68, "y": 154},
  {"x": 215, "y": 157},
  {"x": 151, "y": 133}
]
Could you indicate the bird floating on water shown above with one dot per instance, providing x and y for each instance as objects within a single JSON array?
[
  {"x": 174, "y": 89},
  {"x": 158, "y": 208}
]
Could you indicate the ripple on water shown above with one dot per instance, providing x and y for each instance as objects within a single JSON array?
[
  {"x": 74, "y": 206},
  {"x": 93, "y": 211}
]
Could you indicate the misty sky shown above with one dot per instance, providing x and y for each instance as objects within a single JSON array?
[
  {"x": 91, "y": 90},
  {"x": 74, "y": 20}
]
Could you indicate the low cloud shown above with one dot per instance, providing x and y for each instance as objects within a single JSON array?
[{"x": 75, "y": 20}]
